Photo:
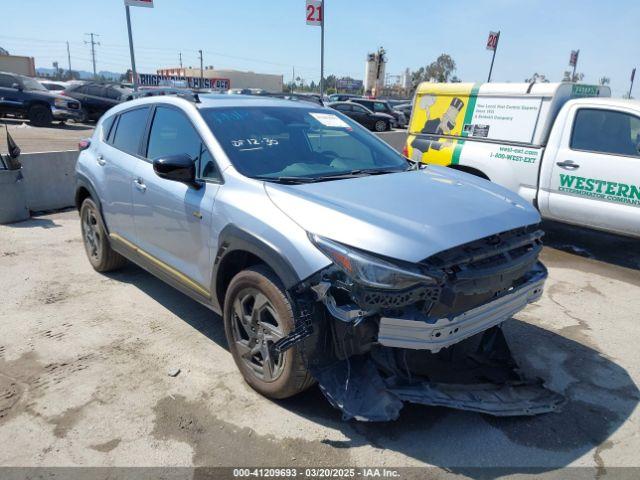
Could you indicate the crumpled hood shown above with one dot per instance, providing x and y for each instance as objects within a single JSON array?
[{"x": 408, "y": 216}]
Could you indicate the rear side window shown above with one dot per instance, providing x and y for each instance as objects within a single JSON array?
[
  {"x": 107, "y": 123},
  {"x": 6, "y": 81},
  {"x": 606, "y": 131},
  {"x": 96, "y": 91},
  {"x": 344, "y": 108},
  {"x": 129, "y": 130},
  {"x": 113, "y": 93}
]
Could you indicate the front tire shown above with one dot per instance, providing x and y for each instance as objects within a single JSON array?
[
  {"x": 257, "y": 313},
  {"x": 380, "y": 126},
  {"x": 96, "y": 242},
  {"x": 40, "y": 116}
]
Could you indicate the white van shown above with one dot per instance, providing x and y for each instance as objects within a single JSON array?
[{"x": 569, "y": 149}]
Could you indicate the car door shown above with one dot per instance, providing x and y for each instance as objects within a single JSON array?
[
  {"x": 363, "y": 116},
  {"x": 595, "y": 178},
  {"x": 11, "y": 100},
  {"x": 118, "y": 157},
  {"x": 173, "y": 219}
]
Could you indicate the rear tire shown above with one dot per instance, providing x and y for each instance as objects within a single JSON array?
[
  {"x": 40, "y": 116},
  {"x": 96, "y": 242},
  {"x": 257, "y": 313}
]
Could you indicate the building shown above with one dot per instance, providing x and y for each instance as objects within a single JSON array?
[
  {"x": 374, "y": 73},
  {"x": 236, "y": 78},
  {"x": 18, "y": 64}
]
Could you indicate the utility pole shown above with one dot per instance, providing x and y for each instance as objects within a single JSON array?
[
  {"x": 69, "y": 59},
  {"x": 633, "y": 76},
  {"x": 322, "y": 14},
  {"x": 293, "y": 78},
  {"x": 201, "y": 70},
  {"x": 180, "y": 60},
  {"x": 93, "y": 47}
]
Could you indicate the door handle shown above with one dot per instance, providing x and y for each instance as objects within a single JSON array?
[
  {"x": 140, "y": 185},
  {"x": 101, "y": 161},
  {"x": 568, "y": 164}
]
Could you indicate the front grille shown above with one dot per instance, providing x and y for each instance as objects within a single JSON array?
[{"x": 484, "y": 269}]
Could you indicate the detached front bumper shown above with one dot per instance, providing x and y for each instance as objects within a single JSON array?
[{"x": 433, "y": 335}]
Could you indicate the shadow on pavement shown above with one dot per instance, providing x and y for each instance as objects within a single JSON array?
[
  {"x": 584, "y": 242},
  {"x": 601, "y": 396}
]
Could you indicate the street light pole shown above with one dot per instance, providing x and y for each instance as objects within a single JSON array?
[
  {"x": 322, "y": 13},
  {"x": 133, "y": 58},
  {"x": 494, "y": 56},
  {"x": 201, "y": 70}
]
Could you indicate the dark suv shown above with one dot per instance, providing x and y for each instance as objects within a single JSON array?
[
  {"x": 24, "y": 97},
  {"x": 97, "y": 98}
]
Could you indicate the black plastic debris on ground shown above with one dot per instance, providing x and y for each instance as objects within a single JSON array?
[{"x": 478, "y": 374}]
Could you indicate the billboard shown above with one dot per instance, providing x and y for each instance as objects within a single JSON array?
[
  {"x": 348, "y": 84},
  {"x": 154, "y": 80}
]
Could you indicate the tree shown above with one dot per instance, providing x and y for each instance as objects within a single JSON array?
[
  {"x": 439, "y": 71},
  {"x": 126, "y": 76},
  {"x": 604, "y": 81},
  {"x": 570, "y": 77},
  {"x": 537, "y": 78}
]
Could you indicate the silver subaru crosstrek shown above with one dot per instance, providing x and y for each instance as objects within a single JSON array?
[{"x": 331, "y": 257}]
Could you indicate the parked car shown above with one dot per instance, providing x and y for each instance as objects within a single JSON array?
[
  {"x": 155, "y": 91},
  {"x": 406, "y": 109},
  {"x": 307, "y": 233},
  {"x": 53, "y": 86},
  {"x": 382, "y": 106},
  {"x": 297, "y": 96},
  {"x": 97, "y": 98},
  {"x": 24, "y": 97},
  {"x": 342, "y": 97},
  {"x": 379, "y": 122},
  {"x": 567, "y": 148}
]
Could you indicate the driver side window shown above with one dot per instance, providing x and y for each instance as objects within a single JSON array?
[
  {"x": 606, "y": 131},
  {"x": 173, "y": 134}
]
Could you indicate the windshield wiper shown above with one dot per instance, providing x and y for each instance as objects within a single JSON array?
[
  {"x": 286, "y": 180},
  {"x": 358, "y": 173}
]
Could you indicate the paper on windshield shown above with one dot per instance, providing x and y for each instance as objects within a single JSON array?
[{"x": 330, "y": 120}]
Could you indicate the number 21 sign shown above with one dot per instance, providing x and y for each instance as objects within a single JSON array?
[{"x": 314, "y": 12}]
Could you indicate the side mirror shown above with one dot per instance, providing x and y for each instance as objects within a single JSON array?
[
  {"x": 17, "y": 86},
  {"x": 179, "y": 168}
]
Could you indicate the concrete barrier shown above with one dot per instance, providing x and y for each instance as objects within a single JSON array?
[
  {"x": 49, "y": 179},
  {"x": 13, "y": 206}
]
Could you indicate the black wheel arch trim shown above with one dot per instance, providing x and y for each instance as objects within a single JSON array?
[
  {"x": 82, "y": 181},
  {"x": 232, "y": 239}
]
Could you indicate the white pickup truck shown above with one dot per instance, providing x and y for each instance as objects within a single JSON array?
[{"x": 570, "y": 149}]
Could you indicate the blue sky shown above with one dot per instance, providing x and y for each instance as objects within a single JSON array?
[{"x": 272, "y": 37}]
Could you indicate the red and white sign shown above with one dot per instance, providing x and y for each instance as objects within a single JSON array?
[
  {"x": 573, "y": 59},
  {"x": 139, "y": 3},
  {"x": 314, "y": 12},
  {"x": 492, "y": 41}
]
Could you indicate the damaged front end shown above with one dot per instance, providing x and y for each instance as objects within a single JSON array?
[{"x": 376, "y": 333}]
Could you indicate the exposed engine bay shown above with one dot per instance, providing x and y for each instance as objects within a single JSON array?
[{"x": 436, "y": 341}]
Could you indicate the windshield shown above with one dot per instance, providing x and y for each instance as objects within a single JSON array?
[
  {"x": 31, "y": 84},
  {"x": 277, "y": 142}
]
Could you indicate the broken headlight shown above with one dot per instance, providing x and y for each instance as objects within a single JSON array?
[{"x": 370, "y": 270}]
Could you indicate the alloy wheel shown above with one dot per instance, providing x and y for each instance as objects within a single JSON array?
[
  {"x": 91, "y": 233},
  {"x": 256, "y": 327}
]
